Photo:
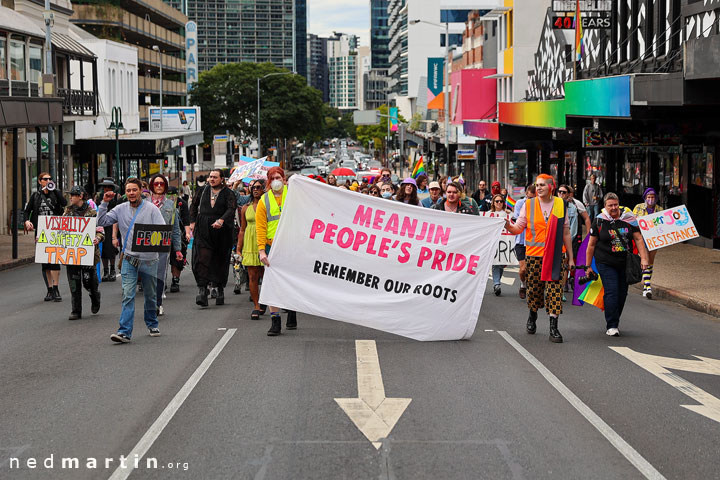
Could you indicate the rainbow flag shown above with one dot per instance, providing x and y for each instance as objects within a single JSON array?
[
  {"x": 419, "y": 168},
  {"x": 510, "y": 202},
  {"x": 579, "y": 48},
  {"x": 591, "y": 292}
]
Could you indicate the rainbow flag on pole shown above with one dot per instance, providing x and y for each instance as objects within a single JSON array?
[
  {"x": 419, "y": 168},
  {"x": 579, "y": 48},
  {"x": 591, "y": 292},
  {"x": 510, "y": 202}
]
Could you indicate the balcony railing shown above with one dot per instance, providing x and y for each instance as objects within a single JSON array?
[
  {"x": 78, "y": 102},
  {"x": 19, "y": 89}
]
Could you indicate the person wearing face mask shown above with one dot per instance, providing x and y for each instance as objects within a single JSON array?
[
  {"x": 267, "y": 218},
  {"x": 211, "y": 219},
  {"x": 387, "y": 190},
  {"x": 648, "y": 207},
  {"x": 384, "y": 177}
]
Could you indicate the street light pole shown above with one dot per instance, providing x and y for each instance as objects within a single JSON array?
[
  {"x": 157, "y": 49},
  {"x": 259, "y": 141},
  {"x": 446, "y": 83},
  {"x": 48, "y": 15},
  {"x": 116, "y": 124}
]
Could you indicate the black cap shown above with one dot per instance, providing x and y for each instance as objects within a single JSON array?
[{"x": 77, "y": 190}]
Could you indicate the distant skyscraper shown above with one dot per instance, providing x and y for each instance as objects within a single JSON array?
[
  {"x": 249, "y": 31},
  {"x": 343, "y": 71},
  {"x": 379, "y": 34},
  {"x": 317, "y": 65}
]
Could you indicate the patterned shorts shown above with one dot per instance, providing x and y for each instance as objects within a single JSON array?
[{"x": 541, "y": 294}]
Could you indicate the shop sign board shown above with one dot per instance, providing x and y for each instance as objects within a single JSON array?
[{"x": 600, "y": 139}]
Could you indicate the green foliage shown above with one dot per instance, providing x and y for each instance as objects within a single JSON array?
[
  {"x": 227, "y": 95},
  {"x": 365, "y": 133},
  {"x": 336, "y": 125},
  {"x": 416, "y": 122}
]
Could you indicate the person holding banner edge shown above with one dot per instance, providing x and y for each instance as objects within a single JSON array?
[
  {"x": 168, "y": 209},
  {"x": 267, "y": 218},
  {"x": 83, "y": 276},
  {"x": 135, "y": 265},
  {"x": 543, "y": 219}
]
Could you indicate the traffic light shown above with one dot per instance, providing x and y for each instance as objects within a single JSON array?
[{"x": 166, "y": 162}]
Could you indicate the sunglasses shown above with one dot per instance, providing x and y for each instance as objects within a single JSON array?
[
  {"x": 374, "y": 193},
  {"x": 562, "y": 192},
  {"x": 498, "y": 201},
  {"x": 257, "y": 187},
  {"x": 47, "y": 179},
  {"x": 159, "y": 183}
]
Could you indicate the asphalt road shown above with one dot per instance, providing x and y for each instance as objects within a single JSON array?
[{"x": 265, "y": 407}]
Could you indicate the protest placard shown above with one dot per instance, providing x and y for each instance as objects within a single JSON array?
[
  {"x": 505, "y": 253},
  {"x": 667, "y": 227},
  {"x": 416, "y": 272},
  {"x": 65, "y": 240},
  {"x": 246, "y": 168},
  {"x": 152, "y": 238}
]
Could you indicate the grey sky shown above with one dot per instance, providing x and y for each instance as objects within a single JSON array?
[{"x": 346, "y": 16}]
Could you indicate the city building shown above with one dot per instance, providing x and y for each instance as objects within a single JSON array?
[
  {"x": 363, "y": 70},
  {"x": 379, "y": 38},
  {"x": 411, "y": 45},
  {"x": 343, "y": 71},
  {"x": 256, "y": 31},
  {"x": 157, "y": 31},
  {"x": 317, "y": 65}
]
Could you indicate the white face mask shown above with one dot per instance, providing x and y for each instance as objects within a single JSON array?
[
  {"x": 276, "y": 185},
  {"x": 386, "y": 194}
]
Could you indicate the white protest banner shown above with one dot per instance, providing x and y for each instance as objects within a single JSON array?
[
  {"x": 407, "y": 270},
  {"x": 65, "y": 240},
  {"x": 505, "y": 253},
  {"x": 667, "y": 227}
]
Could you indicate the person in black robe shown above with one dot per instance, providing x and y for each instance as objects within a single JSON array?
[{"x": 211, "y": 219}]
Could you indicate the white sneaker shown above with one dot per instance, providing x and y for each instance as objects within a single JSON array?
[
  {"x": 161, "y": 311},
  {"x": 612, "y": 332}
]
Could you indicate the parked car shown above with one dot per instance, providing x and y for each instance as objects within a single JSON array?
[{"x": 309, "y": 171}]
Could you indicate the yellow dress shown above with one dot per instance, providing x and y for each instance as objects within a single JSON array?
[{"x": 250, "y": 248}]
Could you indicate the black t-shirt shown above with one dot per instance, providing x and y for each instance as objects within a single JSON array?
[{"x": 613, "y": 239}]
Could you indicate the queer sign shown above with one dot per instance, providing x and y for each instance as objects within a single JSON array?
[
  {"x": 65, "y": 240},
  {"x": 505, "y": 253},
  {"x": 667, "y": 227},
  {"x": 415, "y": 272},
  {"x": 152, "y": 238}
]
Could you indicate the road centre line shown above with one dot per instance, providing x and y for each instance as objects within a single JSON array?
[
  {"x": 162, "y": 421},
  {"x": 616, "y": 440}
]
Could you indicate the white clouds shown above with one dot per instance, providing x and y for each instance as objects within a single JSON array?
[{"x": 346, "y": 16}]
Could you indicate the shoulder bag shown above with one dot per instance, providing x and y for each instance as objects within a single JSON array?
[{"x": 633, "y": 270}]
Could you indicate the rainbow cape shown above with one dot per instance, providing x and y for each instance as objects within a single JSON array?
[
  {"x": 510, "y": 202},
  {"x": 419, "y": 168},
  {"x": 552, "y": 258},
  {"x": 591, "y": 292}
]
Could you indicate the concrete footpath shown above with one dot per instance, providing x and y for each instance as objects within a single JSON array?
[{"x": 683, "y": 273}]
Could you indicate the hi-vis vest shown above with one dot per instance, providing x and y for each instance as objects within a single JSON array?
[
  {"x": 536, "y": 231},
  {"x": 273, "y": 211}
]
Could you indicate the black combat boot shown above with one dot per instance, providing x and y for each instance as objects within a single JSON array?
[
  {"x": 113, "y": 275},
  {"x": 175, "y": 285},
  {"x": 95, "y": 302},
  {"x": 220, "y": 299},
  {"x": 276, "y": 325},
  {"x": 202, "y": 297},
  {"x": 555, "y": 336},
  {"x": 291, "y": 320},
  {"x": 56, "y": 294},
  {"x": 50, "y": 295},
  {"x": 530, "y": 327}
]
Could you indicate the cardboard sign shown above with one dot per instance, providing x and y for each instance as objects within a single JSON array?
[
  {"x": 407, "y": 270},
  {"x": 668, "y": 227},
  {"x": 152, "y": 238},
  {"x": 505, "y": 253},
  {"x": 65, "y": 240}
]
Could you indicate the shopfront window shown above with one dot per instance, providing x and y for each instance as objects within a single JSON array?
[
  {"x": 595, "y": 165},
  {"x": 3, "y": 58},
  {"x": 570, "y": 172},
  {"x": 35, "y": 63},
  {"x": 517, "y": 168},
  {"x": 701, "y": 167},
  {"x": 17, "y": 60},
  {"x": 635, "y": 171}
]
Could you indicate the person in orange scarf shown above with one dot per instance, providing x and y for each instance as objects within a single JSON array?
[{"x": 547, "y": 240}]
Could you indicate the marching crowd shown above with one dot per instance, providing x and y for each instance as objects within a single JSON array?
[{"x": 231, "y": 227}]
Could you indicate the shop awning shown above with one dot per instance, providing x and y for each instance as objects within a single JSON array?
[
  {"x": 141, "y": 144},
  {"x": 22, "y": 112},
  {"x": 65, "y": 43},
  {"x": 17, "y": 23}
]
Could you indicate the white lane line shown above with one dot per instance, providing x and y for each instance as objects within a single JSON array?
[
  {"x": 616, "y": 440},
  {"x": 147, "y": 440}
]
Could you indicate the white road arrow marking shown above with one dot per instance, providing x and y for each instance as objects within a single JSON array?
[
  {"x": 709, "y": 405},
  {"x": 372, "y": 413}
]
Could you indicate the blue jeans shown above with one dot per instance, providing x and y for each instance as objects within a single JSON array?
[
  {"x": 615, "y": 284},
  {"x": 497, "y": 273},
  {"x": 147, "y": 273},
  {"x": 161, "y": 272},
  {"x": 593, "y": 211}
]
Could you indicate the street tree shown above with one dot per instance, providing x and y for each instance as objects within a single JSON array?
[
  {"x": 365, "y": 133},
  {"x": 227, "y": 94}
]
